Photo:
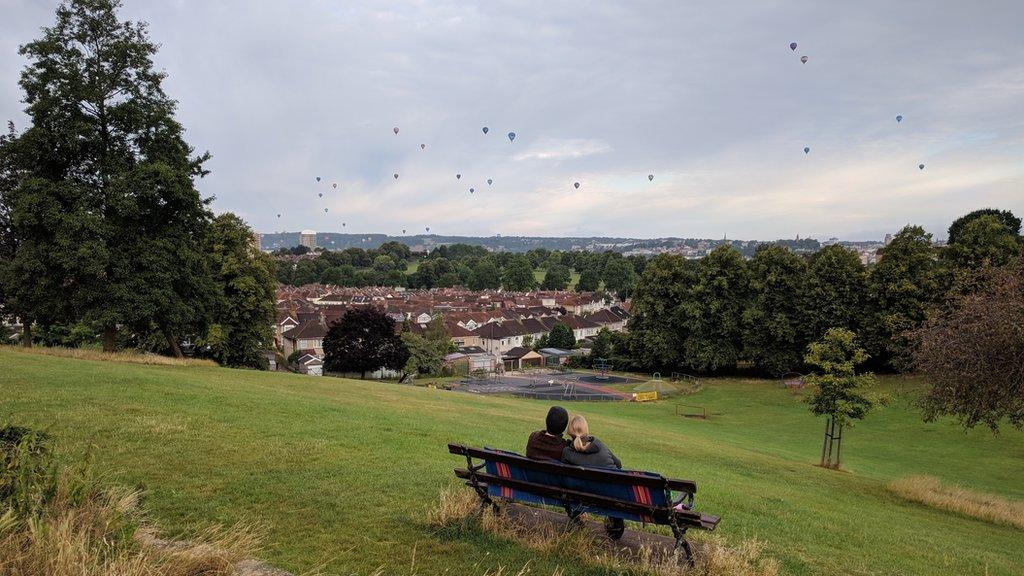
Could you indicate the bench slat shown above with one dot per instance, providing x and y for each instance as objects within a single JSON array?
[
  {"x": 659, "y": 515},
  {"x": 613, "y": 476}
]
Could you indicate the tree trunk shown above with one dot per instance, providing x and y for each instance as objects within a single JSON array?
[
  {"x": 172, "y": 343},
  {"x": 839, "y": 446},
  {"x": 110, "y": 338},
  {"x": 26, "y": 332},
  {"x": 824, "y": 444}
]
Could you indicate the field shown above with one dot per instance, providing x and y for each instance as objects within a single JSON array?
[
  {"x": 339, "y": 473},
  {"x": 538, "y": 275}
]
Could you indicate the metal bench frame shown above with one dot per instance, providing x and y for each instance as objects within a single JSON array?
[{"x": 680, "y": 521}]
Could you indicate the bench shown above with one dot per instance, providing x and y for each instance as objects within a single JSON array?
[{"x": 619, "y": 494}]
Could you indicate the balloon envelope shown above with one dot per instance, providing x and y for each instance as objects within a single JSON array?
[
  {"x": 278, "y": 215},
  {"x": 317, "y": 178},
  {"x": 321, "y": 194},
  {"x": 457, "y": 176},
  {"x": 395, "y": 129},
  {"x": 335, "y": 184},
  {"x": 650, "y": 177},
  {"x": 325, "y": 210},
  {"x": 576, "y": 185},
  {"x": 489, "y": 181},
  {"x": 806, "y": 149},
  {"x": 471, "y": 190},
  {"x": 486, "y": 129},
  {"x": 423, "y": 146},
  {"x": 511, "y": 136},
  {"x": 920, "y": 166},
  {"x": 792, "y": 46},
  {"x": 804, "y": 59},
  {"x": 899, "y": 118},
  {"x": 396, "y": 175}
]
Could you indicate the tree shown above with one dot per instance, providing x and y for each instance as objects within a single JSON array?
[
  {"x": 245, "y": 294},
  {"x": 835, "y": 291},
  {"x": 602, "y": 347},
  {"x": 485, "y": 275},
  {"x": 106, "y": 203},
  {"x": 658, "y": 326},
  {"x": 983, "y": 241},
  {"x": 518, "y": 276},
  {"x": 714, "y": 310},
  {"x": 972, "y": 352},
  {"x": 561, "y": 336},
  {"x": 773, "y": 338},
  {"x": 836, "y": 392},
  {"x": 557, "y": 277},
  {"x": 364, "y": 340},
  {"x": 902, "y": 287},
  {"x": 590, "y": 280},
  {"x": 425, "y": 356},
  {"x": 619, "y": 276},
  {"x": 1006, "y": 217}
]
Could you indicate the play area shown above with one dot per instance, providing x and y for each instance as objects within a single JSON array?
[{"x": 546, "y": 385}]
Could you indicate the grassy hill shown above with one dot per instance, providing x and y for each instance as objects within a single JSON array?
[{"x": 339, "y": 472}]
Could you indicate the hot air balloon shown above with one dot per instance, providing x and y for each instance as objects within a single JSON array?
[
  {"x": 806, "y": 150},
  {"x": 325, "y": 210},
  {"x": 899, "y": 118},
  {"x": 486, "y": 129},
  {"x": 471, "y": 190},
  {"x": 403, "y": 230},
  {"x": 920, "y": 166},
  {"x": 489, "y": 181},
  {"x": 335, "y": 185},
  {"x": 511, "y": 136},
  {"x": 576, "y": 185},
  {"x": 321, "y": 194},
  {"x": 278, "y": 215},
  {"x": 395, "y": 129},
  {"x": 317, "y": 178},
  {"x": 428, "y": 228},
  {"x": 396, "y": 175},
  {"x": 458, "y": 176},
  {"x": 804, "y": 59},
  {"x": 650, "y": 177},
  {"x": 423, "y": 146},
  {"x": 792, "y": 46},
  {"x": 342, "y": 224}
]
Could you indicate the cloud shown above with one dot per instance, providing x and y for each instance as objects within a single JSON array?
[{"x": 562, "y": 149}]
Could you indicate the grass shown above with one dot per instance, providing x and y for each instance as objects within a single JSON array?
[
  {"x": 574, "y": 277},
  {"x": 342, "y": 472},
  {"x": 929, "y": 491},
  {"x": 129, "y": 356}
]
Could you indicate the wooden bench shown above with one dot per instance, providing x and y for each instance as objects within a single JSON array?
[{"x": 627, "y": 495}]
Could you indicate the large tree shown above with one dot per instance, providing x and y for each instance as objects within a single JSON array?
[
  {"x": 561, "y": 336},
  {"x": 364, "y": 340},
  {"x": 972, "y": 352},
  {"x": 557, "y": 277},
  {"x": 619, "y": 276},
  {"x": 106, "y": 206},
  {"x": 518, "y": 275},
  {"x": 902, "y": 287},
  {"x": 590, "y": 280},
  {"x": 1005, "y": 217},
  {"x": 985, "y": 240},
  {"x": 714, "y": 311},
  {"x": 243, "y": 315},
  {"x": 658, "y": 326},
  {"x": 773, "y": 336},
  {"x": 835, "y": 291},
  {"x": 485, "y": 275}
]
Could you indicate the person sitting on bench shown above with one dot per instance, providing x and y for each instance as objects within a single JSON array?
[
  {"x": 548, "y": 444},
  {"x": 585, "y": 450}
]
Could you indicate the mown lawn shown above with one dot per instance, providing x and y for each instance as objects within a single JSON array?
[{"x": 339, "y": 472}]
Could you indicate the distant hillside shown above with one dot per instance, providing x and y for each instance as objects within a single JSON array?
[{"x": 339, "y": 241}]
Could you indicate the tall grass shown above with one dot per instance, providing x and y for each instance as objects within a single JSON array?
[
  {"x": 63, "y": 522},
  {"x": 455, "y": 513},
  {"x": 929, "y": 491},
  {"x": 129, "y": 356}
]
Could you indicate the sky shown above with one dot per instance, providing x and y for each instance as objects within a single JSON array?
[{"x": 705, "y": 96}]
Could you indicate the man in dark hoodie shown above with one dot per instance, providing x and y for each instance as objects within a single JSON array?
[{"x": 548, "y": 444}]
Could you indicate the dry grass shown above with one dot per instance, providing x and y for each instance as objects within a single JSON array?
[
  {"x": 456, "y": 507},
  {"x": 131, "y": 357},
  {"x": 929, "y": 491}
]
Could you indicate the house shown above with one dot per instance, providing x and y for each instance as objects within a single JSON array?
[
  {"x": 520, "y": 358},
  {"x": 311, "y": 365},
  {"x": 479, "y": 359},
  {"x": 306, "y": 336},
  {"x": 271, "y": 357}
]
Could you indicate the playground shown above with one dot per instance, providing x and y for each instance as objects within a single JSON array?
[{"x": 548, "y": 384}]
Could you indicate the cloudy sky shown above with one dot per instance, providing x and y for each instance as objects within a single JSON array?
[{"x": 707, "y": 97}]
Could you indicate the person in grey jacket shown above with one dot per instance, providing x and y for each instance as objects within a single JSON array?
[{"x": 585, "y": 450}]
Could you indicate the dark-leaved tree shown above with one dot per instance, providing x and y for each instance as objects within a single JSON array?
[
  {"x": 714, "y": 310},
  {"x": 364, "y": 340},
  {"x": 834, "y": 294},
  {"x": 773, "y": 336},
  {"x": 561, "y": 336}
]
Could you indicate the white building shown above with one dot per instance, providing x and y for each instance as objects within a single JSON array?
[{"x": 307, "y": 238}]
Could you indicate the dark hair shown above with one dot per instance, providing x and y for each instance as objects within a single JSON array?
[{"x": 557, "y": 420}]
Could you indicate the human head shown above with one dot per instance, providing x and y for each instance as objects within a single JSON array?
[
  {"x": 557, "y": 418},
  {"x": 579, "y": 430}
]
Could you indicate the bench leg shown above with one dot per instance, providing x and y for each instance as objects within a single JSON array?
[{"x": 682, "y": 545}]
